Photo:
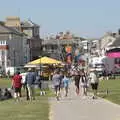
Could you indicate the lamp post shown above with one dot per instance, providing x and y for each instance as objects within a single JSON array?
[{"x": 14, "y": 62}]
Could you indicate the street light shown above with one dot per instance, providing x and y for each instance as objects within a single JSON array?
[{"x": 14, "y": 61}]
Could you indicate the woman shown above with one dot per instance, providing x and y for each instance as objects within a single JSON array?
[
  {"x": 77, "y": 81},
  {"x": 83, "y": 82},
  {"x": 17, "y": 84},
  {"x": 56, "y": 82},
  {"x": 66, "y": 81}
]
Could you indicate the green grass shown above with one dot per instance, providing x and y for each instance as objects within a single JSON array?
[
  {"x": 113, "y": 88},
  {"x": 24, "y": 110},
  {"x": 4, "y": 82}
]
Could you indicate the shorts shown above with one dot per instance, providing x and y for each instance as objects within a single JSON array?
[
  {"x": 94, "y": 86},
  {"x": 56, "y": 87},
  {"x": 17, "y": 90},
  {"x": 77, "y": 81}
]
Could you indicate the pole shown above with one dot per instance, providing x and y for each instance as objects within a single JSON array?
[
  {"x": 40, "y": 57},
  {"x": 40, "y": 65},
  {"x": 14, "y": 62}
]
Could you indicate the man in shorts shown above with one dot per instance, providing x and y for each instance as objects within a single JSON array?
[{"x": 94, "y": 82}]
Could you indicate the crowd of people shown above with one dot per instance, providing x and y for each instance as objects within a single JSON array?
[
  {"x": 60, "y": 79},
  {"x": 82, "y": 80},
  {"x": 27, "y": 81}
]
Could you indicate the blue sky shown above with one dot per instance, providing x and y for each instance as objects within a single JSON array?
[{"x": 85, "y": 18}]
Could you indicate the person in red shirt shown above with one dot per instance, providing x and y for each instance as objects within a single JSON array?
[{"x": 17, "y": 84}]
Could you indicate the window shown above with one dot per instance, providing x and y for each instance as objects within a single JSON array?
[
  {"x": 3, "y": 63},
  {"x": 110, "y": 40},
  {"x": 3, "y": 52}
]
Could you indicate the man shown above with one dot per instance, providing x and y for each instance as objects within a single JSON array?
[
  {"x": 17, "y": 84},
  {"x": 29, "y": 81},
  {"x": 94, "y": 82},
  {"x": 24, "y": 84}
]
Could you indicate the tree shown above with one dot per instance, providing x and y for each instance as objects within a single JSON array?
[{"x": 2, "y": 23}]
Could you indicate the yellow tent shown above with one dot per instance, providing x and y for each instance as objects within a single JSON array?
[{"x": 45, "y": 60}]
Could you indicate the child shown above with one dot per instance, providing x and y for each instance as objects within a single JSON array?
[{"x": 66, "y": 81}]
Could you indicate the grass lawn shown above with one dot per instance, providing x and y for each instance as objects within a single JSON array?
[
  {"x": 24, "y": 110},
  {"x": 113, "y": 88}
]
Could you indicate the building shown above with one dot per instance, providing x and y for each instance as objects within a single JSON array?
[
  {"x": 105, "y": 41},
  {"x": 32, "y": 31},
  {"x": 60, "y": 48},
  {"x": 11, "y": 47}
]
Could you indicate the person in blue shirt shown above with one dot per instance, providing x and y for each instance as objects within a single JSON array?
[
  {"x": 66, "y": 81},
  {"x": 29, "y": 82}
]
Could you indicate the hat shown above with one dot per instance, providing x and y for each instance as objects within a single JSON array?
[{"x": 29, "y": 69}]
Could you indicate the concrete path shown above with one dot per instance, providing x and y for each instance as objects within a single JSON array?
[{"x": 83, "y": 108}]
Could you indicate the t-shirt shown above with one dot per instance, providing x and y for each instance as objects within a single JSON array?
[
  {"x": 56, "y": 79},
  {"x": 93, "y": 78},
  {"x": 66, "y": 81},
  {"x": 30, "y": 78},
  {"x": 23, "y": 77},
  {"x": 17, "y": 81}
]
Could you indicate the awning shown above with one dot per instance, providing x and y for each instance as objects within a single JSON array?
[{"x": 113, "y": 54}]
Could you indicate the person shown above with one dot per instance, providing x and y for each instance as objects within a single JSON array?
[
  {"x": 1, "y": 96},
  {"x": 56, "y": 83},
  {"x": 8, "y": 74},
  {"x": 77, "y": 80},
  {"x": 7, "y": 94},
  {"x": 24, "y": 85},
  {"x": 39, "y": 81},
  {"x": 66, "y": 81},
  {"x": 83, "y": 82},
  {"x": 61, "y": 78},
  {"x": 94, "y": 82},
  {"x": 17, "y": 84},
  {"x": 29, "y": 81}
]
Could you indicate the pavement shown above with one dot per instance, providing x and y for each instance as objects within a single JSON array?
[{"x": 76, "y": 107}]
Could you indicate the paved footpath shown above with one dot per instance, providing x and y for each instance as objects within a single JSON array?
[{"x": 79, "y": 108}]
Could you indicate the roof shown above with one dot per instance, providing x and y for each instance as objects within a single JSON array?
[
  {"x": 113, "y": 50},
  {"x": 8, "y": 30},
  {"x": 29, "y": 23}
]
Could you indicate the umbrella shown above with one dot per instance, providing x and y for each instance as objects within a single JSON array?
[
  {"x": 45, "y": 60},
  {"x": 31, "y": 66}
]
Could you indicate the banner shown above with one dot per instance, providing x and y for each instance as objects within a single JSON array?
[{"x": 68, "y": 50}]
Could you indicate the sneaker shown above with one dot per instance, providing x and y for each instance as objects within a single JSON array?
[
  {"x": 57, "y": 98},
  {"x": 93, "y": 97},
  {"x": 41, "y": 93},
  {"x": 44, "y": 93}
]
